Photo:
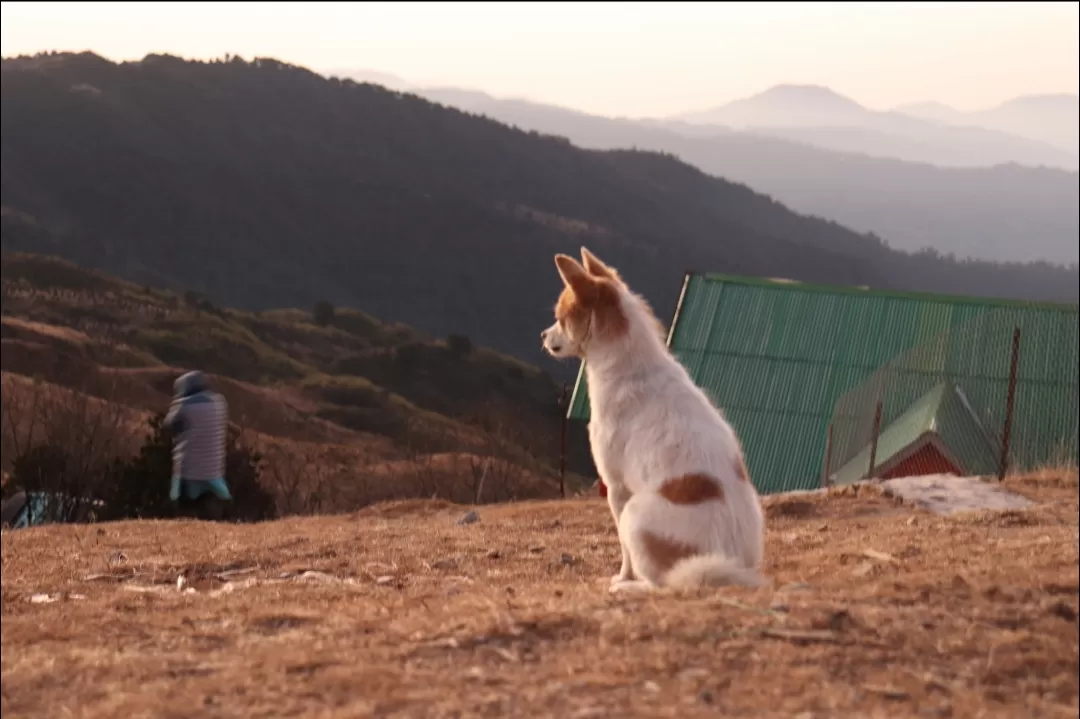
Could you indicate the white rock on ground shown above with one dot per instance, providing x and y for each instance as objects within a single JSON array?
[
  {"x": 947, "y": 494},
  {"x": 469, "y": 517}
]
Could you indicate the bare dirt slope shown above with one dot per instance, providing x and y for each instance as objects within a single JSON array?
[{"x": 398, "y": 611}]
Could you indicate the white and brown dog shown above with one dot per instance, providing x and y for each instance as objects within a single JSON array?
[{"x": 686, "y": 511}]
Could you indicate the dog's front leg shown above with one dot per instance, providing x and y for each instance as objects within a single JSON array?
[{"x": 618, "y": 495}]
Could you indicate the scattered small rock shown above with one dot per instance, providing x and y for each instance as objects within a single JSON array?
[
  {"x": 840, "y": 621},
  {"x": 469, "y": 517},
  {"x": 384, "y": 580},
  {"x": 50, "y": 598},
  {"x": 880, "y": 556},
  {"x": 146, "y": 589},
  {"x": 800, "y": 637},
  {"x": 445, "y": 563},
  {"x": 558, "y": 594},
  {"x": 912, "y": 521},
  {"x": 317, "y": 576},
  {"x": 888, "y": 692},
  {"x": 566, "y": 558},
  {"x": 235, "y": 572},
  {"x": 537, "y": 549},
  {"x": 794, "y": 587},
  {"x": 863, "y": 569},
  {"x": 651, "y": 686},
  {"x": 493, "y": 554},
  {"x": 1063, "y": 611},
  {"x": 705, "y": 696},
  {"x": 693, "y": 673}
]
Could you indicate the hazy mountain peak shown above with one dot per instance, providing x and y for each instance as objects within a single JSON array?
[
  {"x": 783, "y": 105},
  {"x": 817, "y": 94}
]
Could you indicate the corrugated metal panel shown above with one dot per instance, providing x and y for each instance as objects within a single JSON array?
[
  {"x": 777, "y": 355},
  {"x": 976, "y": 354}
]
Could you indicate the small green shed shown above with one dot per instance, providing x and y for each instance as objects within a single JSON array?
[
  {"x": 776, "y": 355},
  {"x": 939, "y": 433}
]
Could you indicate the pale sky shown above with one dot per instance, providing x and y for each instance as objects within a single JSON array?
[{"x": 634, "y": 59}]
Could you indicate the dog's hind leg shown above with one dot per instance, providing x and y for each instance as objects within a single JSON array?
[
  {"x": 677, "y": 546},
  {"x": 659, "y": 536},
  {"x": 640, "y": 515}
]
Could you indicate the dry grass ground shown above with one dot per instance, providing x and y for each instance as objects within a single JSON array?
[{"x": 398, "y": 611}]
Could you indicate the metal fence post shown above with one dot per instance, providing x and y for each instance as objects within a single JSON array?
[
  {"x": 873, "y": 444},
  {"x": 828, "y": 458},
  {"x": 1010, "y": 401},
  {"x": 564, "y": 410}
]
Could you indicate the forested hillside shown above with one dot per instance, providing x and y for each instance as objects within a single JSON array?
[{"x": 265, "y": 185}]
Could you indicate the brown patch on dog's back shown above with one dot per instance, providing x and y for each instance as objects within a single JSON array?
[
  {"x": 692, "y": 489},
  {"x": 663, "y": 552}
]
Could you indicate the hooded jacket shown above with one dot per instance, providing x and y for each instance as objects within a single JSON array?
[{"x": 198, "y": 419}]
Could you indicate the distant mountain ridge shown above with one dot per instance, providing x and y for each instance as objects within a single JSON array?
[
  {"x": 1003, "y": 213},
  {"x": 262, "y": 184},
  {"x": 1052, "y": 118},
  {"x": 821, "y": 117}
]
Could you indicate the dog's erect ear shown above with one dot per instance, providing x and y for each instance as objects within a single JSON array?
[
  {"x": 595, "y": 267},
  {"x": 574, "y": 275}
]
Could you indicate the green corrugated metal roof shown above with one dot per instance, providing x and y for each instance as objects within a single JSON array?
[
  {"x": 776, "y": 356},
  {"x": 965, "y": 436},
  {"x": 895, "y": 437},
  {"x": 944, "y": 412}
]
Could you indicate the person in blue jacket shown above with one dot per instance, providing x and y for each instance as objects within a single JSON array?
[{"x": 199, "y": 422}]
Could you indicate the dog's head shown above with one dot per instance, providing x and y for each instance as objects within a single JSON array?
[{"x": 590, "y": 309}]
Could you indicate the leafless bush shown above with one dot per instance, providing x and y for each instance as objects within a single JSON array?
[
  {"x": 60, "y": 441},
  {"x": 490, "y": 461},
  {"x": 302, "y": 481}
]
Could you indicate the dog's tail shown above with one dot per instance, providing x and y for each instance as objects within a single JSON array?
[{"x": 712, "y": 570}]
